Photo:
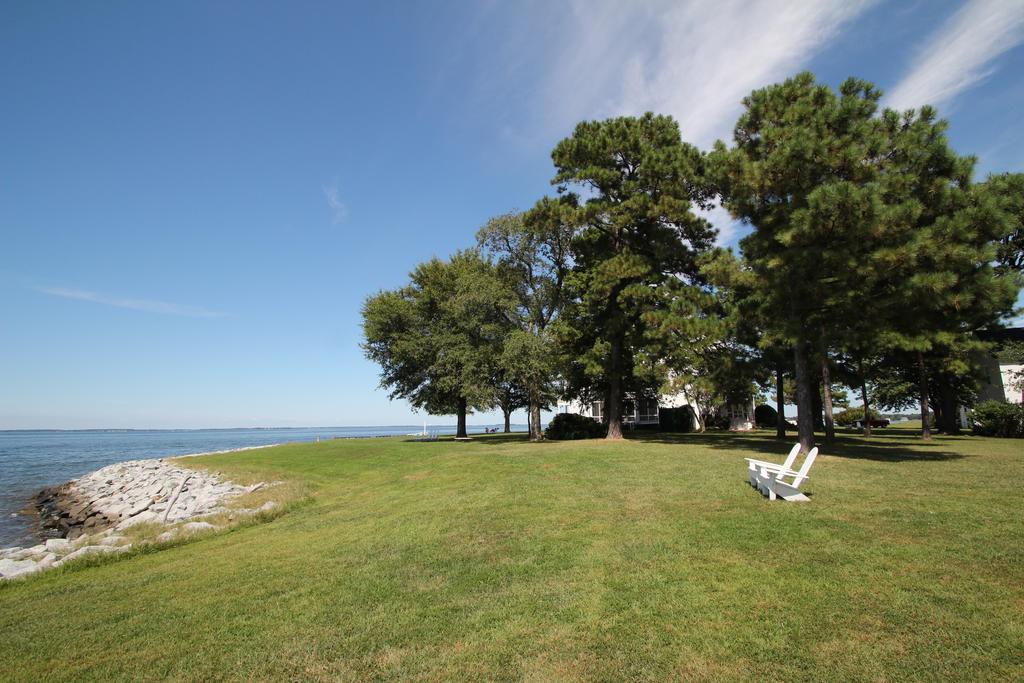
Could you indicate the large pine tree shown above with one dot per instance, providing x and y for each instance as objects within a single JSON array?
[
  {"x": 936, "y": 274},
  {"x": 800, "y": 173},
  {"x": 633, "y": 184}
]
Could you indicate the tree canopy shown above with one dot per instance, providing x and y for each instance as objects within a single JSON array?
[
  {"x": 633, "y": 184},
  {"x": 438, "y": 339},
  {"x": 873, "y": 260}
]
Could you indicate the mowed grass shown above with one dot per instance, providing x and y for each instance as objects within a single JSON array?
[{"x": 504, "y": 560}]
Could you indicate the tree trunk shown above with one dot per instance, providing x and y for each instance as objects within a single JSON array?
[
  {"x": 535, "y": 433},
  {"x": 780, "y": 405},
  {"x": 460, "y": 431},
  {"x": 804, "y": 410},
  {"x": 864, "y": 400},
  {"x": 826, "y": 393},
  {"x": 508, "y": 420},
  {"x": 613, "y": 402},
  {"x": 814, "y": 380},
  {"x": 926, "y": 430},
  {"x": 935, "y": 403},
  {"x": 949, "y": 423}
]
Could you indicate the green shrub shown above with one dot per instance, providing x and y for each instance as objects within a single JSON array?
[
  {"x": 995, "y": 418},
  {"x": 766, "y": 416},
  {"x": 851, "y": 415},
  {"x": 568, "y": 426},
  {"x": 717, "y": 421},
  {"x": 676, "y": 419}
]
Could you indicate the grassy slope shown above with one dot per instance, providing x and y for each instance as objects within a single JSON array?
[{"x": 499, "y": 559}]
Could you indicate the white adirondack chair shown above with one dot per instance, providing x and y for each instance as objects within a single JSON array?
[
  {"x": 754, "y": 465},
  {"x": 773, "y": 482}
]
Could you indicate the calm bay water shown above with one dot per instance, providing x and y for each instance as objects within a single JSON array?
[{"x": 32, "y": 460}]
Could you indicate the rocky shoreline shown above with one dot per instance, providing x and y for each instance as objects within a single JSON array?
[{"x": 85, "y": 515}]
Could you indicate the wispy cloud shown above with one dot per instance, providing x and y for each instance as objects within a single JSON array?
[
  {"x": 729, "y": 229},
  {"x": 960, "y": 54},
  {"x": 338, "y": 207},
  {"x": 133, "y": 304},
  {"x": 695, "y": 60}
]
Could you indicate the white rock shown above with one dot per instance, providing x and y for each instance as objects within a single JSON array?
[
  {"x": 138, "y": 507},
  {"x": 12, "y": 568},
  {"x": 138, "y": 519},
  {"x": 268, "y": 506},
  {"x": 58, "y": 545},
  {"x": 136, "y": 492},
  {"x": 95, "y": 550},
  {"x": 113, "y": 540},
  {"x": 117, "y": 510}
]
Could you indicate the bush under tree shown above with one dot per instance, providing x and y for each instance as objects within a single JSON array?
[
  {"x": 569, "y": 426},
  {"x": 995, "y": 418},
  {"x": 851, "y": 416},
  {"x": 766, "y": 417}
]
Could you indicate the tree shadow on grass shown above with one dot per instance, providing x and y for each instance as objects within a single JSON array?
[
  {"x": 480, "y": 439},
  {"x": 884, "y": 448}
]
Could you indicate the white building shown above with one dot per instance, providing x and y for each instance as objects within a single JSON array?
[
  {"x": 1004, "y": 377},
  {"x": 651, "y": 412}
]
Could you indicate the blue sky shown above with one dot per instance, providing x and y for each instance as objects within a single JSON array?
[{"x": 195, "y": 197}]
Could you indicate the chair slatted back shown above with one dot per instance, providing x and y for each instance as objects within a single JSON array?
[
  {"x": 805, "y": 468},
  {"x": 791, "y": 458}
]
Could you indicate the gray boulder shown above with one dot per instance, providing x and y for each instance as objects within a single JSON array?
[
  {"x": 113, "y": 540},
  {"x": 91, "y": 550},
  {"x": 10, "y": 569},
  {"x": 58, "y": 545}
]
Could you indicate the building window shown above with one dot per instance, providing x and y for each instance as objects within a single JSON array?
[
  {"x": 597, "y": 410},
  {"x": 648, "y": 410}
]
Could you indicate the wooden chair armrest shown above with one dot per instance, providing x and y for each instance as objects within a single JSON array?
[
  {"x": 787, "y": 473},
  {"x": 764, "y": 463}
]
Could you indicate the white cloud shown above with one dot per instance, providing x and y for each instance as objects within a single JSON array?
[
  {"x": 960, "y": 54},
  {"x": 695, "y": 60},
  {"x": 133, "y": 304},
  {"x": 333, "y": 200},
  {"x": 729, "y": 230}
]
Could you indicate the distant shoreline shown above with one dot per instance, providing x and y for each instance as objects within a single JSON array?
[
  {"x": 35, "y": 459},
  {"x": 120, "y": 430}
]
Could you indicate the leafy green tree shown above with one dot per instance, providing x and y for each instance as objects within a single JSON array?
[
  {"x": 1006, "y": 190},
  {"x": 533, "y": 253},
  {"x": 634, "y": 254},
  {"x": 510, "y": 398},
  {"x": 726, "y": 362},
  {"x": 438, "y": 339},
  {"x": 800, "y": 173},
  {"x": 938, "y": 278},
  {"x": 855, "y": 368},
  {"x": 736, "y": 291}
]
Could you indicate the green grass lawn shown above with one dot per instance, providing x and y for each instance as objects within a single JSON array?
[{"x": 500, "y": 559}]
